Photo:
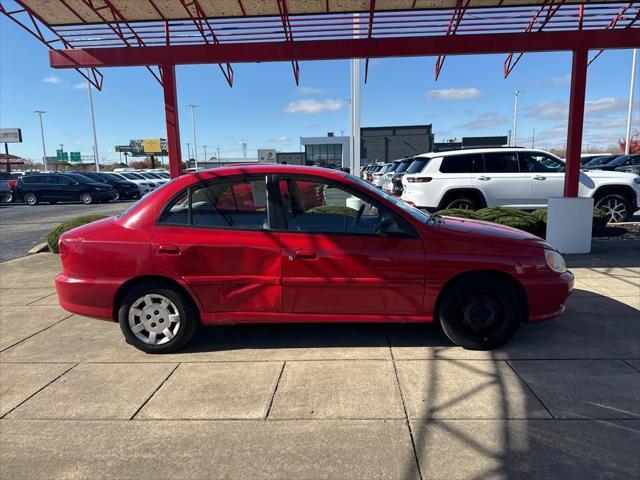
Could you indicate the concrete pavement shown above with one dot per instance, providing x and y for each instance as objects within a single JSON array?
[{"x": 561, "y": 400}]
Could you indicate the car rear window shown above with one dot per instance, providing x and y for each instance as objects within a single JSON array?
[
  {"x": 418, "y": 165},
  {"x": 403, "y": 166}
]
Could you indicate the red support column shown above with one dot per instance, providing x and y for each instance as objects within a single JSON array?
[
  {"x": 171, "y": 115},
  {"x": 576, "y": 118}
]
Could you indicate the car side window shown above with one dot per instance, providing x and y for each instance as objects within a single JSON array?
[
  {"x": 178, "y": 211},
  {"x": 64, "y": 181},
  {"x": 231, "y": 204},
  {"x": 461, "y": 164},
  {"x": 539, "y": 163},
  {"x": 316, "y": 206},
  {"x": 501, "y": 162}
]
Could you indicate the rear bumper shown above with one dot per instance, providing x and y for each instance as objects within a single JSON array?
[
  {"x": 89, "y": 298},
  {"x": 547, "y": 298}
]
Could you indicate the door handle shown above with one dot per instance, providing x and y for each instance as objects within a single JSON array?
[
  {"x": 484, "y": 179},
  {"x": 305, "y": 253},
  {"x": 168, "y": 250},
  {"x": 538, "y": 177}
]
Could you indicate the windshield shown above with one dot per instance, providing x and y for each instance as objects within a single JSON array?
[
  {"x": 392, "y": 167},
  {"x": 417, "y": 165},
  {"x": 376, "y": 192},
  {"x": 95, "y": 177},
  {"x": 112, "y": 177},
  {"x": 80, "y": 178},
  {"x": 133, "y": 176},
  {"x": 601, "y": 160},
  {"x": 617, "y": 161}
]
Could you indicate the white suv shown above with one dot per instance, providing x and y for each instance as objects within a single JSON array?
[{"x": 516, "y": 177}]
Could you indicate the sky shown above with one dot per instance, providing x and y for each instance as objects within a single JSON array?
[{"x": 268, "y": 110}]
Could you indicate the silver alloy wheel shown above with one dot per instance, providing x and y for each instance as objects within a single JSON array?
[
  {"x": 615, "y": 208},
  {"x": 30, "y": 199},
  {"x": 8, "y": 198},
  {"x": 86, "y": 198},
  {"x": 154, "y": 319},
  {"x": 116, "y": 196}
]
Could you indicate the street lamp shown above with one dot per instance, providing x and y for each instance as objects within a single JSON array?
[
  {"x": 44, "y": 150},
  {"x": 205, "y": 152},
  {"x": 629, "y": 113},
  {"x": 188, "y": 151},
  {"x": 93, "y": 123},
  {"x": 516, "y": 94},
  {"x": 193, "y": 124}
]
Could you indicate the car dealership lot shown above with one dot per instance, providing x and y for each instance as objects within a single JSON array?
[
  {"x": 323, "y": 401},
  {"x": 22, "y": 226}
]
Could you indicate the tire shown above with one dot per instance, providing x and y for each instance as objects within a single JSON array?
[
  {"x": 463, "y": 203},
  {"x": 617, "y": 207},
  {"x": 480, "y": 311},
  {"x": 138, "y": 320},
  {"x": 31, "y": 198},
  {"x": 116, "y": 196},
  {"x": 8, "y": 198},
  {"x": 86, "y": 198}
]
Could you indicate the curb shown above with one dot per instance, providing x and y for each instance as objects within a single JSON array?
[{"x": 41, "y": 247}]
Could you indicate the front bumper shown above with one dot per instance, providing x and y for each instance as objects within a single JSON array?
[{"x": 547, "y": 297}]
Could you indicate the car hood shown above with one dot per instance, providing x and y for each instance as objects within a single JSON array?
[
  {"x": 464, "y": 228},
  {"x": 609, "y": 174}
]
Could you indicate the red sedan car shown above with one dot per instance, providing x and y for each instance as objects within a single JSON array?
[{"x": 279, "y": 243}]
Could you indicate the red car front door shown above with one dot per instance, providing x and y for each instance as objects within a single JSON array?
[
  {"x": 336, "y": 258},
  {"x": 223, "y": 249}
]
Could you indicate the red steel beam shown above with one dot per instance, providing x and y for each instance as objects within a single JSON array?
[
  {"x": 614, "y": 21},
  {"x": 288, "y": 34},
  {"x": 545, "y": 41},
  {"x": 372, "y": 11},
  {"x": 454, "y": 24},
  {"x": 576, "y": 119},
  {"x": 171, "y": 117},
  {"x": 198, "y": 20},
  {"x": 552, "y": 8}
]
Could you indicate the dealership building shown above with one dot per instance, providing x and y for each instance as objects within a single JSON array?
[{"x": 378, "y": 144}]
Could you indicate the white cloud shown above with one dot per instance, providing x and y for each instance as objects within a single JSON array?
[
  {"x": 52, "y": 79},
  {"x": 486, "y": 120},
  {"x": 606, "y": 123},
  {"x": 553, "y": 109},
  {"x": 281, "y": 139},
  {"x": 80, "y": 86},
  {"x": 309, "y": 91},
  {"x": 312, "y": 106},
  {"x": 562, "y": 79},
  {"x": 559, "y": 109},
  {"x": 605, "y": 105},
  {"x": 455, "y": 93}
]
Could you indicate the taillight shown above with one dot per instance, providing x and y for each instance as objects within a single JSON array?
[
  {"x": 421, "y": 179},
  {"x": 67, "y": 245}
]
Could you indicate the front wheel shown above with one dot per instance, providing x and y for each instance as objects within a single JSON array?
[
  {"x": 616, "y": 206},
  {"x": 463, "y": 203},
  {"x": 116, "y": 196},
  {"x": 31, "y": 199},
  {"x": 480, "y": 311},
  {"x": 157, "y": 319},
  {"x": 86, "y": 198},
  {"x": 8, "y": 197}
]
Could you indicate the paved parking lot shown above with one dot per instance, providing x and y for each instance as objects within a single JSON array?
[
  {"x": 23, "y": 227},
  {"x": 561, "y": 400}
]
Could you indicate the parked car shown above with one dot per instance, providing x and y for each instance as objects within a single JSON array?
[
  {"x": 6, "y": 195},
  {"x": 588, "y": 157},
  {"x": 387, "y": 178},
  {"x": 144, "y": 184},
  {"x": 599, "y": 161},
  {"x": 214, "y": 248},
  {"x": 62, "y": 187},
  {"x": 521, "y": 178},
  {"x": 125, "y": 189},
  {"x": 378, "y": 176},
  {"x": 396, "y": 179},
  {"x": 619, "y": 162},
  {"x": 154, "y": 178},
  {"x": 11, "y": 178}
]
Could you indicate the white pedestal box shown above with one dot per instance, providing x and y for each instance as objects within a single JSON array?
[{"x": 569, "y": 222}]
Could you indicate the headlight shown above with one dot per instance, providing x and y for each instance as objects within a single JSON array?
[{"x": 555, "y": 261}]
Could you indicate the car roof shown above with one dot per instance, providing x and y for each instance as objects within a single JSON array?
[
  {"x": 466, "y": 151},
  {"x": 267, "y": 168}
]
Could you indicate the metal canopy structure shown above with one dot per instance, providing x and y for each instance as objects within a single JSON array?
[{"x": 91, "y": 34}]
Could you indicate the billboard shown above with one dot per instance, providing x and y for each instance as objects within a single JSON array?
[
  {"x": 142, "y": 147},
  {"x": 267, "y": 155},
  {"x": 10, "y": 135}
]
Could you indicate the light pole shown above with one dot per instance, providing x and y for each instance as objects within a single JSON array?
[
  {"x": 193, "y": 124},
  {"x": 516, "y": 94},
  {"x": 218, "y": 154},
  {"x": 205, "y": 152},
  {"x": 44, "y": 150},
  {"x": 188, "y": 151},
  {"x": 93, "y": 124},
  {"x": 633, "y": 81},
  {"x": 354, "y": 110}
]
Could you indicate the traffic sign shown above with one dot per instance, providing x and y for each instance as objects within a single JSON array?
[
  {"x": 75, "y": 157},
  {"x": 62, "y": 156}
]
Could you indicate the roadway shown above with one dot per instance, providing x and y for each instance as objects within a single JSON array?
[{"x": 22, "y": 227}]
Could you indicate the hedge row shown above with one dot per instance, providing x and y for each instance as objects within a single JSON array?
[
  {"x": 533, "y": 222},
  {"x": 54, "y": 235}
]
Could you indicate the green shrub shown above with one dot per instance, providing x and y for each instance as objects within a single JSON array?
[
  {"x": 54, "y": 235},
  {"x": 458, "y": 212},
  {"x": 600, "y": 219},
  {"x": 511, "y": 217}
]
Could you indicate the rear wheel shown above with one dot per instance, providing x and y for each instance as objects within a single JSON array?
[
  {"x": 8, "y": 197},
  {"x": 463, "y": 203},
  {"x": 156, "y": 319},
  {"x": 116, "y": 196},
  {"x": 480, "y": 311},
  {"x": 617, "y": 207},
  {"x": 86, "y": 198},
  {"x": 31, "y": 198}
]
